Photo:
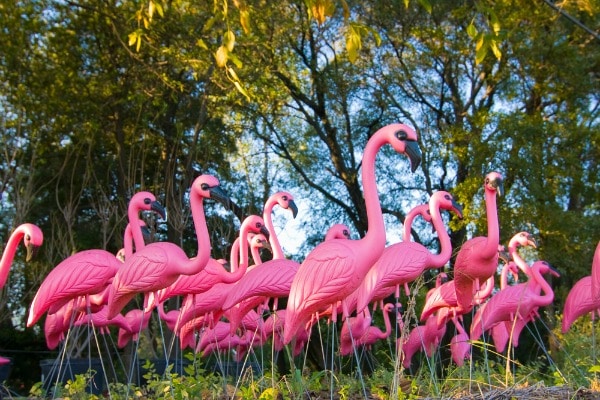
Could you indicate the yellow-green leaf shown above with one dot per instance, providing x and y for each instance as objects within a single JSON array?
[
  {"x": 353, "y": 45},
  {"x": 232, "y": 73},
  {"x": 229, "y": 40},
  {"x": 480, "y": 54},
  {"x": 241, "y": 90},
  {"x": 595, "y": 368},
  {"x": 245, "y": 20},
  {"x": 159, "y": 9},
  {"x": 221, "y": 56},
  {"x": 151, "y": 9},
  {"x": 132, "y": 38},
  {"x": 200, "y": 43},
  {"x": 426, "y": 5},
  {"x": 495, "y": 49},
  {"x": 268, "y": 394},
  {"x": 471, "y": 31}
]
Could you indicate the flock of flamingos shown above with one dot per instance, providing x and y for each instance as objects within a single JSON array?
[{"x": 224, "y": 309}]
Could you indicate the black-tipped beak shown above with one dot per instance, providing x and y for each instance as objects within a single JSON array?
[
  {"x": 265, "y": 231},
  {"x": 457, "y": 208},
  {"x": 31, "y": 252},
  {"x": 267, "y": 246},
  {"x": 532, "y": 243},
  {"x": 293, "y": 207},
  {"x": 218, "y": 194},
  {"x": 159, "y": 209},
  {"x": 553, "y": 271},
  {"x": 414, "y": 154},
  {"x": 498, "y": 184}
]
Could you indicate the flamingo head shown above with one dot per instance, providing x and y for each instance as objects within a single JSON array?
[
  {"x": 208, "y": 187},
  {"x": 255, "y": 224},
  {"x": 522, "y": 239},
  {"x": 286, "y": 201},
  {"x": 260, "y": 241},
  {"x": 32, "y": 239},
  {"x": 543, "y": 267},
  {"x": 338, "y": 231},
  {"x": 403, "y": 139},
  {"x": 494, "y": 182},
  {"x": 445, "y": 201},
  {"x": 146, "y": 201},
  {"x": 513, "y": 269}
]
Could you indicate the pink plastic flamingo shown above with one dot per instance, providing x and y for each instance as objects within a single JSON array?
[
  {"x": 364, "y": 335},
  {"x": 444, "y": 297},
  {"x": 403, "y": 262},
  {"x": 596, "y": 273},
  {"x": 423, "y": 211},
  {"x": 518, "y": 301},
  {"x": 214, "y": 272},
  {"x": 88, "y": 272},
  {"x": 137, "y": 320},
  {"x": 335, "y": 268},
  {"x": 422, "y": 337},
  {"x": 286, "y": 201},
  {"x": 32, "y": 237},
  {"x": 477, "y": 258},
  {"x": 460, "y": 346},
  {"x": 501, "y": 332},
  {"x": 271, "y": 279},
  {"x": 581, "y": 299},
  {"x": 159, "y": 264}
]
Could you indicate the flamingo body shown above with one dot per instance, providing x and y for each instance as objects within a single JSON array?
[{"x": 85, "y": 273}]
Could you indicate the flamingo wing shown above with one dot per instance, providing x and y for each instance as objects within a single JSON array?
[
  {"x": 271, "y": 279},
  {"x": 400, "y": 263},
  {"x": 84, "y": 273},
  {"x": 326, "y": 276},
  {"x": 579, "y": 301}
]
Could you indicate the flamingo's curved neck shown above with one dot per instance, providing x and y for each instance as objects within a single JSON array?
[
  {"x": 504, "y": 276},
  {"x": 375, "y": 236},
  {"x": 493, "y": 235},
  {"x": 545, "y": 287},
  {"x": 273, "y": 239},
  {"x": 445, "y": 246},
  {"x": 134, "y": 225},
  {"x": 234, "y": 256},
  {"x": 242, "y": 265},
  {"x": 387, "y": 323},
  {"x": 202, "y": 236},
  {"x": 410, "y": 217},
  {"x": 9, "y": 254},
  {"x": 519, "y": 261}
]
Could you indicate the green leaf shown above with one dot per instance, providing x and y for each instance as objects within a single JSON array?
[
  {"x": 472, "y": 31},
  {"x": 426, "y": 5},
  {"x": 495, "y": 49},
  {"x": 229, "y": 40},
  {"x": 240, "y": 89},
  {"x": 221, "y": 56},
  {"x": 353, "y": 45},
  {"x": 595, "y": 368}
]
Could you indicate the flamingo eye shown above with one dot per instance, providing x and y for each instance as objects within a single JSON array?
[
  {"x": 285, "y": 198},
  {"x": 401, "y": 134},
  {"x": 27, "y": 237},
  {"x": 346, "y": 233},
  {"x": 447, "y": 197},
  {"x": 147, "y": 201},
  {"x": 204, "y": 186}
]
